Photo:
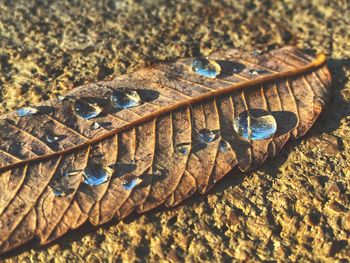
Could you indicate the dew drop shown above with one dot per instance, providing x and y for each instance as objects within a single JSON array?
[
  {"x": 124, "y": 98},
  {"x": 205, "y": 67},
  {"x": 95, "y": 125},
  {"x": 224, "y": 146},
  {"x": 255, "y": 124},
  {"x": 51, "y": 138},
  {"x": 256, "y": 53},
  {"x": 72, "y": 173},
  {"x": 61, "y": 98},
  {"x": 26, "y": 111},
  {"x": 183, "y": 148},
  {"x": 131, "y": 183},
  {"x": 257, "y": 71},
  {"x": 95, "y": 175},
  {"x": 86, "y": 110},
  {"x": 59, "y": 192},
  {"x": 207, "y": 136}
]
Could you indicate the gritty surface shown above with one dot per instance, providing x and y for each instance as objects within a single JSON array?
[{"x": 295, "y": 207}]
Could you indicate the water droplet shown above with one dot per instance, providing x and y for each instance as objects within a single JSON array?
[
  {"x": 257, "y": 71},
  {"x": 205, "y": 67},
  {"x": 207, "y": 136},
  {"x": 224, "y": 146},
  {"x": 94, "y": 174},
  {"x": 86, "y": 110},
  {"x": 256, "y": 53},
  {"x": 72, "y": 173},
  {"x": 159, "y": 173},
  {"x": 61, "y": 98},
  {"x": 59, "y": 192},
  {"x": 95, "y": 125},
  {"x": 255, "y": 124},
  {"x": 124, "y": 98},
  {"x": 183, "y": 148},
  {"x": 131, "y": 183},
  {"x": 26, "y": 111},
  {"x": 51, "y": 138}
]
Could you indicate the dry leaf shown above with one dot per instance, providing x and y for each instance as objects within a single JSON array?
[{"x": 149, "y": 138}]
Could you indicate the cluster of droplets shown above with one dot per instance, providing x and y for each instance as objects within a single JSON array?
[{"x": 249, "y": 125}]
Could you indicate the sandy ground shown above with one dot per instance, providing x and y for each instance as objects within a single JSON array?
[{"x": 296, "y": 207}]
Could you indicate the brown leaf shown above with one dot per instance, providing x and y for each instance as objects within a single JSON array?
[{"x": 59, "y": 170}]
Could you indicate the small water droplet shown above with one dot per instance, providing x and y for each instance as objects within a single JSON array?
[
  {"x": 159, "y": 173},
  {"x": 26, "y": 111},
  {"x": 61, "y": 98},
  {"x": 256, "y": 53},
  {"x": 86, "y": 110},
  {"x": 95, "y": 125},
  {"x": 124, "y": 98},
  {"x": 131, "y": 183},
  {"x": 224, "y": 146},
  {"x": 72, "y": 172},
  {"x": 257, "y": 71},
  {"x": 205, "y": 67},
  {"x": 183, "y": 148},
  {"x": 51, "y": 138},
  {"x": 95, "y": 174},
  {"x": 207, "y": 136},
  {"x": 60, "y": 192},
  {"x": 255, "y": 124}
]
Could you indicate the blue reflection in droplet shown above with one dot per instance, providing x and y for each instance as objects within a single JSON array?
[
  {"x": 205, "y": 67},
  {"x": 124, "y": 98},
  {"x": 255, "y": 124},
  {"x": 86, "y": 110},
  {"x": 26, "y": 111},
  {"x": 94, "y": 175},
  {"x": 131, "y": 183},
  {"x": 207, "y": 136}
]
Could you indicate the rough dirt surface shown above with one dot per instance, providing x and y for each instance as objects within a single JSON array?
[{"x": 296, "y": 207}]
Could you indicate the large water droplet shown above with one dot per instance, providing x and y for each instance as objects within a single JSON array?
[
  {"x": 131, "y": 183},
  {"x": 207, "y": 136},
  {"x": 205, "y": 67},
  {"x": 86, "y": 110},
  {"x": 124, "y": 98},
  {"x": 26, "y": 111},
  {"x": 255, "y": 124},
  {"x": 95, "y": 174}
]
